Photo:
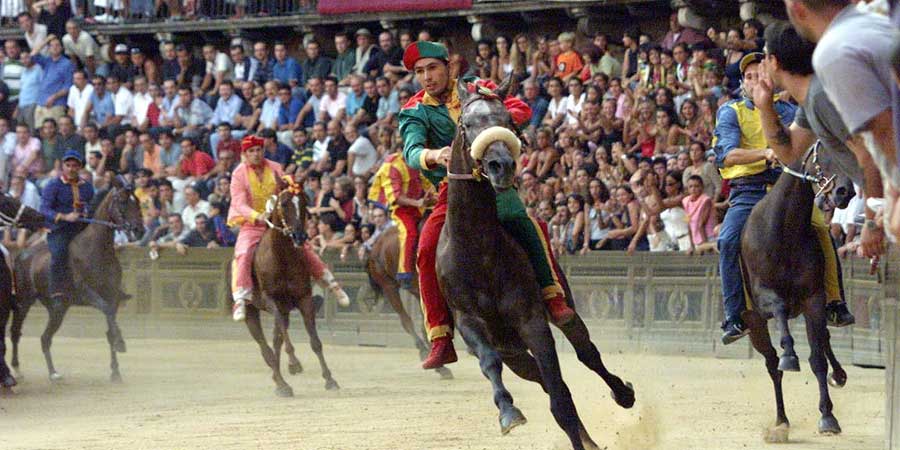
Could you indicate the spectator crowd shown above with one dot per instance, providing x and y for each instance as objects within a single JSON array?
[{"x": 617, "y": 155}]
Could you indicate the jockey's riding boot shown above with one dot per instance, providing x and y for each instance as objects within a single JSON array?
[
  {"x": 734, "y": 331},
  {"x": 339, "y": 294},
  {"x": 442, "y": 352},
  {"x": 405, "y": 280},
  {"x": 239, "y": 310},
  {"x": 560, "y": 313},
  {"x": 838, "y": 315}
]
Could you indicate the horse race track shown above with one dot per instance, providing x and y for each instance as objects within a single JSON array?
[{"x": 181, "y": 394}]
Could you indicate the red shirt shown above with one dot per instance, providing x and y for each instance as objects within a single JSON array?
[
  {"x": 197, "y": 165},
  {"x": 232, "y": 145}
]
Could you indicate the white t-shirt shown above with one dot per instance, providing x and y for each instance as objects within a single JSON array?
[
  {"x": 221, "y": 63},
  {"x": 141, "y": 106},
  {"x": 37, "y": 36},
  {"x": 123, "y": 101},
  {"x": 333, "y": 106},
  {"x": 573, "y": 108},
  {"x": 365, "y": 153},
  {"x": 78, "y": 101},
  {"x": 190, "y": 213},
  {"x": 320, "y": 149}
]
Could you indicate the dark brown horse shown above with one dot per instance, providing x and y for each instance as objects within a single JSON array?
[
  {"x": 95, "y": 269},
  {"x": 487, "y": 279},
  {"x": 381, "y": 265},
  {"x": 783, "y": 265},
  {"x": 14, "y": 214},
  {"x": 282, "y": 283}
]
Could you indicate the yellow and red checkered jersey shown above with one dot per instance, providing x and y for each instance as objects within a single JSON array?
[{"x": 395, "y": 178}]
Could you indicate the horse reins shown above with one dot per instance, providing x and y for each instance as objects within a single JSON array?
[
  {"x": 273, "y": 205},
  {"x": 825, "y": 184},
  {"x": 481, "y": 93}
]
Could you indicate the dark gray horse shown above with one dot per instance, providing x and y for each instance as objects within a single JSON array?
[
  {"x": 12, "y": 214},
  {"x": 97, "y": 273},
  {"x": 783, "y": 266},
  {"x": 486, "y": 276}
]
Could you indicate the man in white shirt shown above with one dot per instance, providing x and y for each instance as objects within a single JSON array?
[
  {"x": 81, "y": 47},
  {"x": 218, "y": 69},
  {"x": 244, "y": 67},
  {"x": 79, "y": 97},
  {"x": 194, "y": 206},
  {"x": 123, "y": 100},
  {"x": 334, "y": 102},
  {"x": 322, "y": 140},
  {"x": 361, "y": 155},
  {"x": 35, "y": 33},
  {"x": 142, "y": 101},
  {"x": 268, "y": 118}
]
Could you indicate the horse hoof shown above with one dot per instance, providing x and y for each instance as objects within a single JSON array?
[
  {"x": 837, "y": 380},
  {"x": 625, "y": 398},
  {"x": 331, "y": 385},
  {"x": 779, "y": 434},
  {"x": 8, "y": 381},
  {"x": 511, "y": 419},
  {"x": 115, "y": 378},
  {"x": 789, "y": 363},
  {"x": 829, "y": 425},
  {"x": 284, "y": 391},
  {"x": 55, "y": 376},
  {"x": 445, "y": 373},
  {"x": 295, "y": 369}
]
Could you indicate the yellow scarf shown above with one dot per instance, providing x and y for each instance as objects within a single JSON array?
[{"x": 454, "y": 107}]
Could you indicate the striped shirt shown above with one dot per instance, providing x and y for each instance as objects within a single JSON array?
[{"x": 12, "y": 76}]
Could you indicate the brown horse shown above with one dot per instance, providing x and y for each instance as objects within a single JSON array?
[
  {"x": 282, "y": 283},
  {"x": 783, "y": 265},
  {"x": 487, "y": 279},
  {"x": 381, "y": 265},
  {"x": 13, "y": 214},
  {"x": 95, "y": 269}
]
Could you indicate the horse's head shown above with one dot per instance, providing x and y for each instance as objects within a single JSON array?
[
  {"x": 288, "y": 213},
  {"x": 486, "y": 128},
  {"x": 832, "y": 183},
  {"x": 15, "y": 214},
  {"x": 122, "y": 208}
]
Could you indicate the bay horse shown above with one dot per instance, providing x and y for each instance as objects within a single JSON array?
[
  {"x": 13, "y": 214},
  {"x": 281, "y": 282},
  {"x": 487, "y": 278},
  {"x": 381, "y": 266},
  {"x": 96, "y": 271},
  {"x": 783, "y": 266}
]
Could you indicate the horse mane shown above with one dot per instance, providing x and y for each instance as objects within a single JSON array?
[{"x": 100, "y": 202}]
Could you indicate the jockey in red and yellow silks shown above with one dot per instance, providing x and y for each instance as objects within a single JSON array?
[
  {"x": 406, "y": 193},
  {"x": 428, "y": 125},
  {"x": 253, "y": 183}
]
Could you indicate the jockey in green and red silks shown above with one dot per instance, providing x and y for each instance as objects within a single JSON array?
[{"x": 428, "y": 125}]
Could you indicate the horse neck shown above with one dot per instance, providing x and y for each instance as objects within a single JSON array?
[
  {"x": 792, "y": 201},
  {"x": 96, "y": 238}
]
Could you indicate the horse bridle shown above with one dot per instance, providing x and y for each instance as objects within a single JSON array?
[
  {"x": 273, "y": 205},
  {"x": 825, "y": 184},
  {"x": 481, "y": 94},
  {"x": 12, "y": 221}
]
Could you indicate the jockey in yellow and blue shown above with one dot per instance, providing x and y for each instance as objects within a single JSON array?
[
  {"x": 743, "y": 156},
  {"x": 64, "y": 203}
]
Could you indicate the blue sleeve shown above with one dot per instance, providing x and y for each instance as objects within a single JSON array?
[
  {"x": 786, "y": 112},
  {"x": 48, "y": 200},
  {"x": 87, "y": 198},
  {"x": 727, "y": 135},
  {"x": 296, "y": 106},
  {"x": 41, "y": 60},
  {"x": 298, "y": 71}
]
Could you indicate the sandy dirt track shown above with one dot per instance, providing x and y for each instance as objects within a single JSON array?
[{"x": 182, "y": 394}]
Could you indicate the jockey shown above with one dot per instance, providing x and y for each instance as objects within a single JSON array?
[
  {"x": 64, "y": 203},
  {"x": 743, "y": 154},
  {"x": 253, "y": 182},
  {"x": 406, "y": 193},
  {"x": 428, "y": 125}
]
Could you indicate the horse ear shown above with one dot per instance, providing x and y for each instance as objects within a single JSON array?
[
  {"x": 508, "y": 87},
  {"x": 462, "y": 90}
]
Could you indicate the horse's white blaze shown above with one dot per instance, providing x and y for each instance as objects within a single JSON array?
[
  {"x": 296, "y": 206},
  {"x": 494, "y": 134}
]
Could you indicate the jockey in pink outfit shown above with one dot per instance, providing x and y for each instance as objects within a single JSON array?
[{"x": 253, "y": 183}]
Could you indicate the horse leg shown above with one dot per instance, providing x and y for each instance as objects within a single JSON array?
[
  {"x": 788, "y": 361},
  {"x": 838, "y": 377},
  {"x": 816, "y": 333},
  {"x": 6, "y": 378},
  {"x": 577, "y": 334},
  {"x": 392, "y": 293},
  {"x": 283, "y": 389},
  {"x": 537, "y": 336},
  {"x": 113, "y": 333},
  {"x": 56, "y": 311},
  {"x": 473, "y": 332},
  {"x": 255, "y": 327},
  {"x": 15, "y": 332},
  {"x": 307, "y": 310},
  {"x": 294, "y": 366},
  {"x": 762, "y": 342}
]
